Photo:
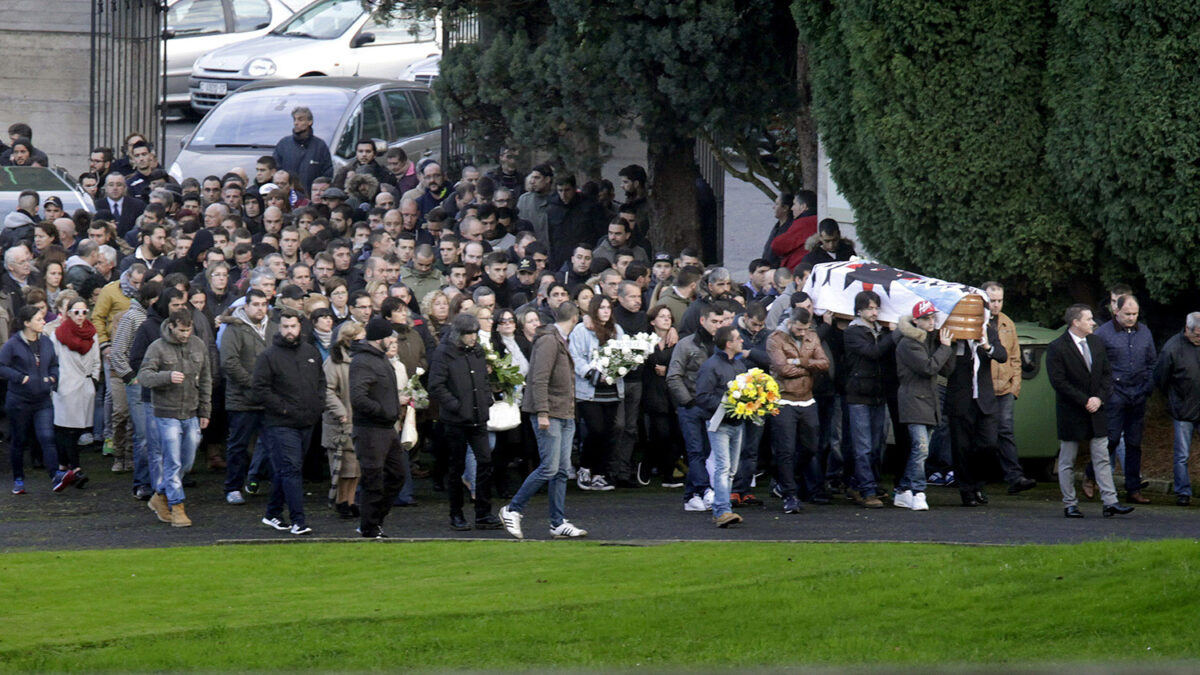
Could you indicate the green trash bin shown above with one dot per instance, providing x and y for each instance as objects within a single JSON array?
[{"x": 1034, "y": 418}]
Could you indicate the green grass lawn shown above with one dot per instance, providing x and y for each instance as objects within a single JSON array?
[{"x": 492, "y": 605}]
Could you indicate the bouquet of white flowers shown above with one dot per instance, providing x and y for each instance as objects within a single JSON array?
[
  {"x": 415, "y": 391},
  {"x": 620, "y": 355}
]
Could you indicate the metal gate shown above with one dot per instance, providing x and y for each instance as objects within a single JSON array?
[
  {"x": 714, "y": 175},
  {"x": 128, "y": 72},
  {"x": 457, "y": 28}
]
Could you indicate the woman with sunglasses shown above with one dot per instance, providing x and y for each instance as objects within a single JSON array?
[{"x": 74, "y": 399}]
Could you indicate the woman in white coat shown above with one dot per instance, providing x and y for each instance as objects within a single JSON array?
[{"x": 74, "y": 399}]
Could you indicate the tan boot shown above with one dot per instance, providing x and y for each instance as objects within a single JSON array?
[
  {"x": 179, "y": 516},
  {"x": 158, "y": 504}
]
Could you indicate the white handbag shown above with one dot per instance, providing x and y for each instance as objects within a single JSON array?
[{"x": 503, "y": 415}]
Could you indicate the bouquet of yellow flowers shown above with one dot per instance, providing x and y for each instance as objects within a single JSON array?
[{"x": 752, "y": 396}]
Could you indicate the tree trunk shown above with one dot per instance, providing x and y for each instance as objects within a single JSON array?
[
  {"x": 673, "y": 214},
  {"x": 806, "y": 130}
]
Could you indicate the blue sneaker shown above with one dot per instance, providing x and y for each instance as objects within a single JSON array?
[
  {"x": 936, "y": 478},
  {"x": 18, "y": 487},
  {"x": 63, "y": 480}
]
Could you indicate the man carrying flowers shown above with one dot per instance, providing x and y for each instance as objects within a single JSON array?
[{"x": 724, "y": 429}]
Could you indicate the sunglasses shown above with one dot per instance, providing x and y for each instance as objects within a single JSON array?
[{"x": 79, "y": 312}]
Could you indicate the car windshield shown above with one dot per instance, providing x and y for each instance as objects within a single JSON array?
[
  {"x": 323, "y": 21},
  {"x": 17, "y": 178},
  {"x": 258, "y": 119}
]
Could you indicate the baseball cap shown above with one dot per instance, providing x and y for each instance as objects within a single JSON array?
[
  {"x": 923, "y": 308},
  {"x": 662, "y": 256},
  {"x": 333, "y": 193},
  {"x": 293, "y": 292},
  {"x": 53, "y": 200},
  {"x": 526, "y": 265}
]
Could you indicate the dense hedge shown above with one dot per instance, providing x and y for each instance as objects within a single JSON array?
[
  {"x": 1123, "y": 85},
  {"x": 935, "y": 119}
]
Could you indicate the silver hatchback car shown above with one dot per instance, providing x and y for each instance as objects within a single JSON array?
[
  {"x": 249, "y": 122},
  {"x": 196, "y": 27},
  {"x": 328, "y": 37}
]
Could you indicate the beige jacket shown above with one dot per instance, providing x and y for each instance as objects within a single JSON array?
[{"x": 1006, "y": 377}]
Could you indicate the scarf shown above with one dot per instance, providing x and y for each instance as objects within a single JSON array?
[
  {"x": 127, "y": 286},
  {"x": 76, "y": 337},
  {"x": 324, "y": 337}
]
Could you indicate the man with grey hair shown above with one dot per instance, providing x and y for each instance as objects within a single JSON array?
[
  {"x": 263, "y": 279},
  {"x": 215, "y": 213},
  {"x": 302, "y": 154},
  {"x": 277, "y": 265},
  {"x": 81, "y": 270},
  {"x": 1177, "y": 373},
  {"x": 18, "y": 266},
  {"x": 484, "y": 297},
  {"x": 715, "y": 286}
]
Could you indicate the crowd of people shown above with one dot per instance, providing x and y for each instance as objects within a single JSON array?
[{"x": 363, "y": 317}]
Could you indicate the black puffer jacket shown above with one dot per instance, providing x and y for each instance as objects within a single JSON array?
[
  {"x": 866, "y": 354},
  {"x": 373, "y": 394},
  {"x": 290, "y": 383},
  {"x": 458, "y": 380}
]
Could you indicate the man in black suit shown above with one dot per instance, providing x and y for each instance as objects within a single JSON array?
[
  {"x": 124, "y": 208},
  {"x": 1077, "y": 364},
  {"x": 973, "y": 411}
]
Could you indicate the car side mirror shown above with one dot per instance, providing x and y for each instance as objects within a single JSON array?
[
  {"x": 380, "y": 146},
  {"x": 362, "y": 39}
]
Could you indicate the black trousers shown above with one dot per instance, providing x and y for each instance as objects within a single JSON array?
[
  {"x": 67, "y": 442},
  {"x": 602, "y": 434},
  {"x": 458, "y": 438},
  {"x": 794, "y": 434},
  {"x": 973, "y": 439},
  {"x": 383, "y": 464},
  {"x": 663, "y": 444}
]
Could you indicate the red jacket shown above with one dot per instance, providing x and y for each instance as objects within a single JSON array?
[{"x": 789, "y": 246}]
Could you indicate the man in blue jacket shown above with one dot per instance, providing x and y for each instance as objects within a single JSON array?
[
  {"x": 302, "y": 154},
  {"x": 1132, "y": 356},
  {"x": 726, "y": 441}
]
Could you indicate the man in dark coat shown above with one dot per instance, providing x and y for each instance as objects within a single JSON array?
[
  {"x": 974, "y": 412},
  {"x": 458, "y": 381},
  {"x": 290, "y": 383},
  {"x": 1078, "y": 367},
  {"x": 375, "y": 400},
  {"x": 1177, "y": 373},
  {"x": 302, "y": 154}
]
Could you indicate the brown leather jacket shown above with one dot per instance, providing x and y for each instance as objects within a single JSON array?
[
  {"x": 1006, "y": 377},
  {"x": 795, "y": 381}
]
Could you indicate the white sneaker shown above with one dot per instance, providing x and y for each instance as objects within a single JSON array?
[
  {"x": 300, "y": 529},
  {"x": 86, "y": 439},
  {"x": 694, "y": 504},
  {"x": 709, "y": 495},
  {"x": 567, "y": 531},
  {"x": 583, "y": 478},
  {"x": 570, "y": 472},
  {"x": 599, "y": 483},
  {"x": 276, "y": 523},
  {"x": 919, "y": 502},
  {"x": 512, "y": 522},
  {"x": 903, "y": 500},
  {"x": 234, "y": 497}
]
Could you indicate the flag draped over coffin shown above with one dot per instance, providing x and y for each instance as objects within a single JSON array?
[{"x": 832, "y": 287}]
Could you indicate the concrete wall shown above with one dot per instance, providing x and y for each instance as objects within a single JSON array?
[{"x": 46, "y": 78}]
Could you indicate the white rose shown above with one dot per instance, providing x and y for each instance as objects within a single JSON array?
[
  {"x": 622, "y": 370},
  {"x": 604, "y": 361}
]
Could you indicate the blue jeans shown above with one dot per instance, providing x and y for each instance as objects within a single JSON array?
[
  {"x": 288, "y": 446},
  {"x": 154, "y": 455},
  {"x": 243, "y": 425},
  {"x": 554, "y": 449},
  {"x": 27, "y": 422},
  {"x": 692, "y": 423},
  {"x": 179, "y": 439},
  {"x": 940, "y": 458},
  {"x": 726, "y": 444},
  {"x": 137, "y": 413},
  {"x": 868, "y": 434},
  {"x": 1183, "y": 448},
  {"x": 914, "y": 474}
]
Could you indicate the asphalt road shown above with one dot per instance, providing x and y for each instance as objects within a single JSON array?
[{"x": 105, "y": 515}]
